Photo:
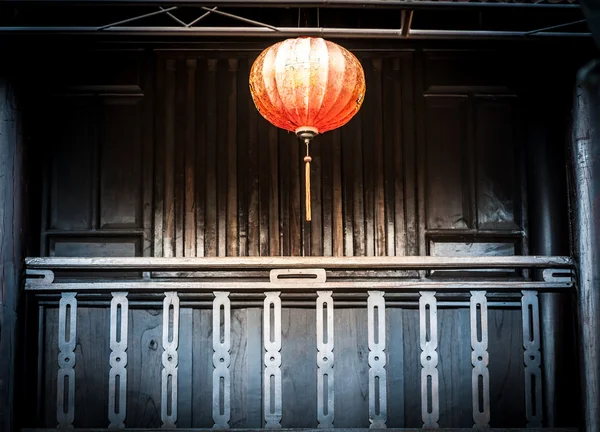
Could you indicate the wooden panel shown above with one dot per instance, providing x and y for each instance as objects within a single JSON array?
[
  {"x": 299, "y": 368},
  {"x": 351, "y": 351},
  {"x": 466, "y": 69},
  {"x": 72, "y": 173},
  {"x": 95, "y": 247},
  {"x": 497, "y": 181},
  {"x": 144, "y": 366},
  {"x": 507, "y": 381},
  {"x": 121, "y": 164},
  {"x": 454, "y": 348},
  {"x": 203, "y": 369},
  {"x": 91, "y": 371},
  {"x": 447, "y": 195}
]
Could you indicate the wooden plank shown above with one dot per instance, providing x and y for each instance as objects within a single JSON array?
[
  {"x": 507, "y": 387},
  {"x": 239, "y": 368},
  {"x": 201, "y": 155},
  {"x": 242, "y": 155},
  {"x": 299, "y": 368},
  {"x": 407, "y": 210},
  {"x": 169, "y": 232},
  {"x": 211, "y": 227},
  {"x": 50, "y": 369},
  {"x": 316, "y": 225},
  {"x": 326, "y": 144},
  {"x": 351, "y": 368},
  {"x": 412, "y": 369},
  {"x": 338, "y": 430},
  {"x": 296, "y": 190},
  {"x": 420, "y": 165},
  {"x": 180, "y": 156},
  {"x": 358, "y": 211},
  {"x": 393, "y": 159},
  {"x": 144, "y": 368},
  {"x": 379, "y": 221},
  {"x": 347, "y": 172},
  {"x": 159, "y": 166},
  {"x": 254, "y": 367},
  {"x": 337, "y": 212},
  {"x": 189, "y": 219},
  {"x": 274, "y": 227},
  {"x": 264, "y": 180},
  {"x": 395, "y": 366},
  {"x": 223, "y": 88},
  {"x": 369, "y": 143},
  {"x": 232, "y": 234},
  {"x": 285, "y": 197},
  {"x": 454, "y": 351},
  {"x": 185, "y": 367},
  {"x": 91, "y": 369},
  {"x": 147, "y": 137},
  {"x": 202, "y": 359},
  {"x": 253, "y": 181},
  {"x": 407, "y": 262}
]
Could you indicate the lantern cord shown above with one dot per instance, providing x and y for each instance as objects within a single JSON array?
[{"x": 307, "y": 160}]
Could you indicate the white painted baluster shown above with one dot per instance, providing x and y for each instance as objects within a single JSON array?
[
  {"x": 533, "y": 360},
  {"x": 430, "y": 408},
  {"x": 67, "y": 341},
  {"x": 480, "y": 379},
  {"x": 272, "y": 402},
  {"x": 377, "y": 360},
  {"x": 170, "y": 360},
  {"x": 325, "y": 394},
  {"x": 221, "y": 360},
  {"x": 117, "y": 380}
]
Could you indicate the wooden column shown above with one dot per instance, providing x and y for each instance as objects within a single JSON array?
[
  {"x": 548, "y": 234},
  {"x": 585, "y": 177},
  {"x": 11, "y": 252}
]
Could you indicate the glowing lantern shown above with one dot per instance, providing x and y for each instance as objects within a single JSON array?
[{"x": 308, "y": 86}]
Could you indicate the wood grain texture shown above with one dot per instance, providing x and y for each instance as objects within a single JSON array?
[
  {"x": 299, "y": 368},
  {"x": 144, "y": 365}
]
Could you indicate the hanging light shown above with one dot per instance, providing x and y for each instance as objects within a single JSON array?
[{"x": 307, "y": 86}]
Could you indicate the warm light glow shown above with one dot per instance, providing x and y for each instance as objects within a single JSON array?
[{"x": 307, "y": 83}]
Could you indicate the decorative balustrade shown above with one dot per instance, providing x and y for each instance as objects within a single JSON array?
[{"x": 274, "y": 283}]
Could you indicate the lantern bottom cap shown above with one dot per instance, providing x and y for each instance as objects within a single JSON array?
[{"x": 307, "y": 132}]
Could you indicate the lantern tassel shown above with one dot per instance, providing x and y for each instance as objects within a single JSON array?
[{"x": 307, "y": 160}]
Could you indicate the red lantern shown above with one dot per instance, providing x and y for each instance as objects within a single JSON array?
[{"x": 308, "y": 86}]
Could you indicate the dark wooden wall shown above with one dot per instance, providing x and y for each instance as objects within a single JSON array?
[
  {"x": 161, "y": 153},
  {"x": 165, "y": 155}
]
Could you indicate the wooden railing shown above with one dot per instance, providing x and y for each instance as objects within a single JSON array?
[{"x": 271, "y": 283}]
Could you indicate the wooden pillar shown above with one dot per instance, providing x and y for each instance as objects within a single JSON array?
[
  {"x": 585, "y": 205},
  {"x": 548, "y": 235},
  {"x": 11, "y": 251}
]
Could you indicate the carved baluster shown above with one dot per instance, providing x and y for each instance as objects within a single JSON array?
[
  {"x": 170, "y": 360},
  {"x": 377, "y": 360},
  {"x": 325, "y": 395},
  {"x": 67, "y": 340},
  {"x": 221, "y": 360},
  {"x": 430, "y": 409},
  {"x": 533, "y": 360},
  {"x": 480, "y": 358},
  {"x": 272, "y": 377},
  {"x": 117, "y": 381}
]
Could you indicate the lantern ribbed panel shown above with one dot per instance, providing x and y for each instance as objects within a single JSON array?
[{"x": 307, "y": 82}]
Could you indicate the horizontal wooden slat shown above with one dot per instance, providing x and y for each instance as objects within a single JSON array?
[
  {"x": 409, "y": 285},
  {"x": 406, "y": 262},
  {"x": 321, "y": 430}
]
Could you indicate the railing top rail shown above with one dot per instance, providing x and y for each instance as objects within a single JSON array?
[{"x": 228, "y": 263}]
